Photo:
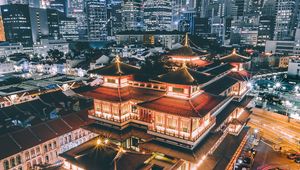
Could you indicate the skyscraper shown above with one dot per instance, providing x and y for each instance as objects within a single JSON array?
[
  {"x": 97, "y": 19},
  {"x": 157, "y": 15},
  {"x": 132, "y": 15},
  {"x": 39, "y": 23},
  {"x": 17, "y": 26},
  {"x": 76, "y": 10},
  {"x": 60, "y": 5},
  {"x": 286, "y": 19},
  {"x": 53, "y": 17}
]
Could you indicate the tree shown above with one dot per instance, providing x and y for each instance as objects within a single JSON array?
[
  {"x": 156, "y": 64},
  {"x": 55, "y": 55}
]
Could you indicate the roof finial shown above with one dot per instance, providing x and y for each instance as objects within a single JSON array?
[
  {"x": 186, "y": 40},
  {"x": 234, "y": 51},
  {"x": 184, "y": 64},
  {"x": 117, "y": 59}
]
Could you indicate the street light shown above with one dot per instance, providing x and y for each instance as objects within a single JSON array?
[{"x": 277, "y": 84}]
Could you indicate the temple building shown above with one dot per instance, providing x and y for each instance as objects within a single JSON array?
[
  {"x": 179, "y": 107},
  {"x": 187, "y": 54},
  {"x": 238, "y": 61}
]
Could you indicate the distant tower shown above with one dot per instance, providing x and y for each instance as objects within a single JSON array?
[
  {"x": 97, "y": 19},
  {"x": 286, "y": 19},
  {"x": 157, "y": 15},
  {"x": 132, "y": 15}
]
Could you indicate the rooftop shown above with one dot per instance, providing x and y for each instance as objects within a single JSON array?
[
  {"x": 185, "y": 76},
  {"x": 235, "y": 58},
  {"x": 117, "y": 68},
  {"x": 219, "y": 86},
  {"x": 93, "y": 156},
  {"x": 198, "y": 106},
  {"x": 20, "y": 140},
  {"x": 122, "y": 94}
]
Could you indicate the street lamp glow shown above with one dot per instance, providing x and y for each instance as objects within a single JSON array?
[
  {"x": 249, "y": 84},
  {"x": 98, "y": 141},
  {"x": 277, "y": 85}
]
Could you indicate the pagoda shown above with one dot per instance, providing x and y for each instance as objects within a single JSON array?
[
  {"x": 179, "y": 107},
  {"x": 240, "y": 62},
  {"x": 187, "y": 54}
]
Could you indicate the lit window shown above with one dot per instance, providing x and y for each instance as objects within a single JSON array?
[{"x": 177, "y": 90}]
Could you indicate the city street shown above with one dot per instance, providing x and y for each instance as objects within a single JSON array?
[
  {"x": 267, "y": 156},
  {"x": 279, "y": 132}
]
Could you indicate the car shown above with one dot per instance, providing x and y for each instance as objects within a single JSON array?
[
  {"x": 293, "y": 155},
  {"x": 297, "y": 160}
]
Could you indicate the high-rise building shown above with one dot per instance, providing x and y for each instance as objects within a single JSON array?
[
  {"x": 157, "y": 15},
  {"x": 286, "y": 19},
  {"x": 53, "y": 17},
  {"x": 269, "y": 8},
  {"x": 76, "y": 10},
  {"x": 132, "y": 15},
  {"x": 17, "y": 25},
  {"x": 68, "y": 28},
  {"x": 265, "y": 29},
  {"x": 39, "y": 23},
  {"x": 242, "y": 7},
  {"x": 97, "y": 19},
  {"x": 114, "y": 13},
  {"x": 60, "y": 5}
]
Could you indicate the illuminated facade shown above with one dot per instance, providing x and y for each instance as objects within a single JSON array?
[
  {"x": 180, "y": 106},
  {"x": 187, "y": 54},
  {"x": 238, "y": 61},
  {"x": 158, "y": 15}
]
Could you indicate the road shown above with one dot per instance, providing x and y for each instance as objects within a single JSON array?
[
  {"x": 267, "y": 156},
  {"x": 279, "y": 132}
]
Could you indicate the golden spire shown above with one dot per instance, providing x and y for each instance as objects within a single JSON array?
[
  {"x": 234, "y": 51},
  {"x": 186, "y": 40},
  {"x": 117, "y": 59}
]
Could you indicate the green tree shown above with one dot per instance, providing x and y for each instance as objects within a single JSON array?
[
  {"x": 156, "y": 64},
  {"x": 55, "y": 55}
]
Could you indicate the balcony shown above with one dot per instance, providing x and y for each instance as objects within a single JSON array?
[{"x": 179, "y": 136}]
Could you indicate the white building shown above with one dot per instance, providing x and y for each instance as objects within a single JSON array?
[
  {"x": 7, "y": 49},
  {"x": 6, "y": 67},
  {"x": 40, "y": 145},
  {"x": 283, "y": 47},
  {"x": 294, "y": 67},
  {"x": 45, "y": 45}
]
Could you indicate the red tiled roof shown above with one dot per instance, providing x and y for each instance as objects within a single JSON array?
[
  {"x": 116, "y": 69},
  {"x": 198, "y": 106},
  {"x": 185, "y": 76},
  {"x": 122, "y": 94},
  {"x": 20, "y": 140},
  {"x": 234, "y": 57}
]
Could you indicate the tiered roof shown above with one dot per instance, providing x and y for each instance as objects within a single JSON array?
[
  {"x": 185, "y": 50},
  {"x": 234, "y": 57},
  {"x": 122, "y": 94},
  {"x": 185, "y": 76},
  {"x": 117, "y": 68},
  {"x": 198, "y": 106}
]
